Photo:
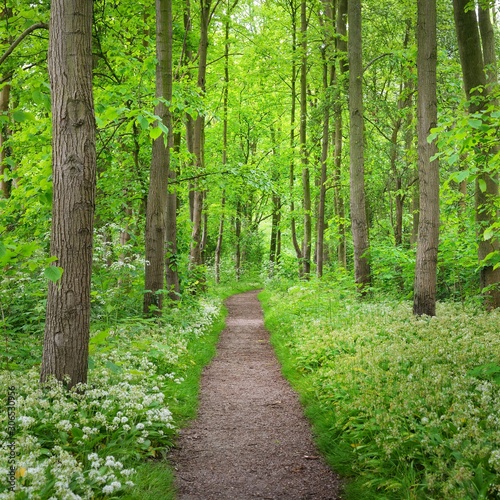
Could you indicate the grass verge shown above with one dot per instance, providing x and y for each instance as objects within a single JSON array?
[{"x": 406, "y": 407}]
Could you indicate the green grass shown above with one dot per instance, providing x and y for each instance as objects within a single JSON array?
[
  {"x": 403, "y": 407},
  {"x": 154, "y": 481}
]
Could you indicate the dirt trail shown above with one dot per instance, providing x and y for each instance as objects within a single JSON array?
[{"x": 250, "y": 439}]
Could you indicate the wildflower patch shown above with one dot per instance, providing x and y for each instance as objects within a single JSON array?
[
  {"x": 86, "y": 442},
  {"x": 414, "y": 403}
]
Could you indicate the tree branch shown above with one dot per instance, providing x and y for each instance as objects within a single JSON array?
[
  {"x": 21, "y": 37},
  {"x": 374, "y": 60}
]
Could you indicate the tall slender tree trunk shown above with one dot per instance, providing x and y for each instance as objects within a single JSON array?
[
  {"x": 5, "y": 185},
  {"x": 341, "y": 56},
  {"x": 195, "y": 254},
  {"x": 237, "y": 234},
  {"x": 5, "y": 132},
  {"x": 293, "y": 110},
  {"x": 225, "y": 99},
  {"x": 478, "y": 70},
  {"x": 220, "y": 239},
  {"x": 359, "y": 223},
  {"x": 158, "y": 180},
  {"x": 274, "y": 247},
  {"x": 171, "y": 257},
  {"x": 65, "y": 350},
  {"x": 325, "y": 142},
  {"x": 424, "y": 300},
  {"x": 306, "y": 183}
]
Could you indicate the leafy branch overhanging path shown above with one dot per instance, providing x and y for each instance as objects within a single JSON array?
[{"x": 250, "y": 439}]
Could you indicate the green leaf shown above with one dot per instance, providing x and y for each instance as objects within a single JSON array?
[
  {"x": 475, "y": 123},
  {"x": 53, "y": 273},
  {"x": 19, "y": 115},
  {"x": 143, "y": 122},
  {"x": 431, "y": 137},
  {"x": 489, "y": 233},
  {"x": 461, "y": 176},
  {"x": 452, "y": 159},
  {"x": 77, "y": 432},
  {"x": 482, "y": 185},
  {"x": 114, "y": 368},
  {"x": 100, "y": 338},
  {"x": 154, "y": 133}
]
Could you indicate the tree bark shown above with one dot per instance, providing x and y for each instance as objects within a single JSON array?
[
  {"x": 478, "y": 71},
  {"x": 306, "y": 184},
  {"x": 65, "y": 350},
  {"x": 155, "y": 238},
  {"x": 5, "y": 185},
  {"x": 359, "y": 224},
  {"x": 171, "y": 257},
  {"x": 293, "y": 108},
  {"x": 325, "y": 142},
  {"x": 424, "y": 300},
  {"x": 195, "y": 254},
  {"x": 341, "y": 55},
  {"x": 225, "y": 99}
]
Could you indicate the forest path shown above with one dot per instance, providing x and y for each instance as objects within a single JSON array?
[{"x": 250, "y": 439}]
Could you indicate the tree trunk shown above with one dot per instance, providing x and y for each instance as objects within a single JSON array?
[
  {"x": 237, "y": 233},
  {"x": 359, "y": 224},
  {"x": 341, "y": 54},
  {"x": 65, "y": 350},
  {"x": 274, "y": 247},
  {"x": 171, "y": 258},
  {"x": 220, "y": 238},
  {"x": 225, "y": 99},
  {"x": 424, "y": 301},
  {"x": 475, "y": 75},
  {"x": 195, "y": 254},
  {"x": 293, "y": 85},
  {"x": 306, "y": 185},
  {"x": 5, "y": 186},
  {"x": 320, "y": 244},
  {"x": 155, "y": 238}
]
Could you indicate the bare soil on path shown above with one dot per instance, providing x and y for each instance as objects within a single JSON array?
[{"x": 250, "y": 439}]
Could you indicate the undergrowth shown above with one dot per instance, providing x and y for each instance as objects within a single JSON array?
[
  {"x": 406, "y": 407},
  {"x": 108, "y": 438}
]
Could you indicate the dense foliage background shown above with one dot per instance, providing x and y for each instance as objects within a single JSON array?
[{"x": 253, "y": 212}]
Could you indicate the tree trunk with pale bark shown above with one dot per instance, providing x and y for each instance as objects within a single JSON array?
[
  {"x": 424, "y": 299},
  {"x": 359, "y": 223}
]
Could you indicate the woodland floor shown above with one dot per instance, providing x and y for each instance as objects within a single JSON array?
[{"x": 250, "y": 439}]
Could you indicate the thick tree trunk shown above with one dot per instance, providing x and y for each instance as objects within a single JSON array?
[
  {"x": 359, "y": 223},
  {"x": 424, "y": 300},
  {"x": 306, "y": 184},
  {"x": 65, "y": 350},
  {"x": 158, "y": 181},
  {"x": 478, "y": 70}
]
